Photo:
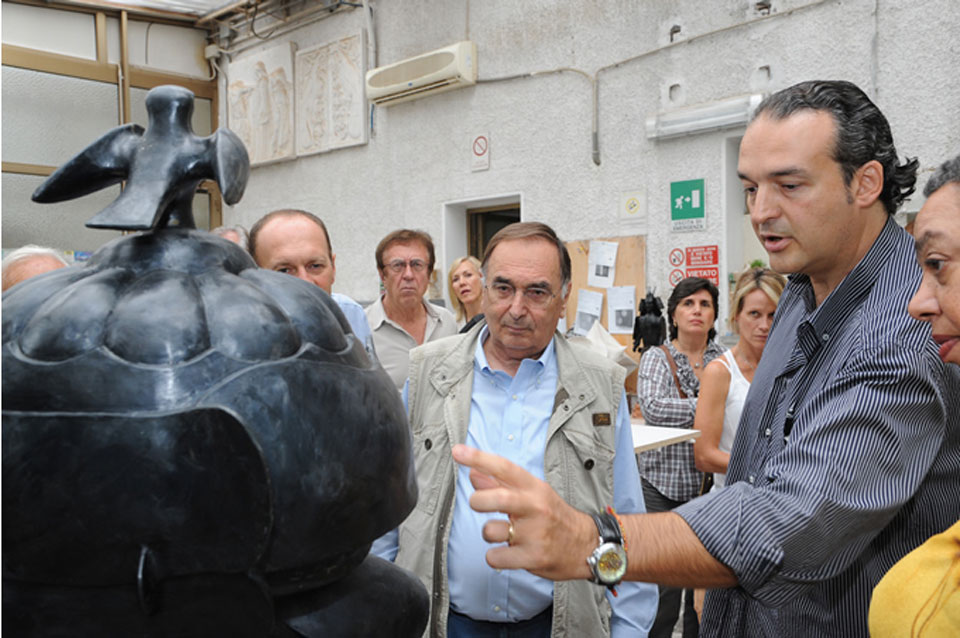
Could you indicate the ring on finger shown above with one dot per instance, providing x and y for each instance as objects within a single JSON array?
[{"x": 510, "y": 534}]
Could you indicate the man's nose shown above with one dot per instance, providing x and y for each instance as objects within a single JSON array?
[
  {"x": 517, "y": 304},
  {"x": 764, "y": 206},
  {"x": 302, "y": 274}
]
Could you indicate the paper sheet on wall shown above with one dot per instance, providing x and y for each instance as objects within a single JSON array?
[
  {"x": 620, "y": 304},
  {"x": 589, "y": 305},
  {"x": 602, "y": 264}
]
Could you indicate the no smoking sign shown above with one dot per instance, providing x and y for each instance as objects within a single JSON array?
[{"x": 479, "y": 152}]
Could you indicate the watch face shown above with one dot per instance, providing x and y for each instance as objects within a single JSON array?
[{"x": 612, "y": 563}]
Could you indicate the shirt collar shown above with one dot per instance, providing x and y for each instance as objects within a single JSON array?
[
  {"x": 822, "y": 321},
  {"x": 378, "y": 313},
  {"x": 546, "y": 358}
]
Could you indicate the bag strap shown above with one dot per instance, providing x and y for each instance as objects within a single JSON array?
[{"x": 673, "y": 369}]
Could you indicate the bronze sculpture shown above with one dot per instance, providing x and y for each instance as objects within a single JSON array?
[
  {"x": 191, "y": 445},
  {"x": 649, "y": 327}
]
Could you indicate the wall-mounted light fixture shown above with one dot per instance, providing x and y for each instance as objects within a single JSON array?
[{"x": 701, "y": 118}]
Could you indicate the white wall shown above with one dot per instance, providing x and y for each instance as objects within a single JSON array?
[
  {"x": 415, "y": 171},
  {"x": 418, "y": 159}
]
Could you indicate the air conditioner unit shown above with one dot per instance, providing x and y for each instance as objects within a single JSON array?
[{"x": 449, "y": 68}]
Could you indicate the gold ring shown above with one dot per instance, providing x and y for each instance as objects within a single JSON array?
[{"x": 510, "y": 534}]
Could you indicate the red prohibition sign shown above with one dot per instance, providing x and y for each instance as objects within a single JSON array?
[{"x": 480, "y": 146}]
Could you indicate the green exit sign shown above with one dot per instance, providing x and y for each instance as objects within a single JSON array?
[{"x": 686, "y": 205}]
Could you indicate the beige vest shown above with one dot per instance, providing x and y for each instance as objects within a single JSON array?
[{"x": 578, "y": 464}]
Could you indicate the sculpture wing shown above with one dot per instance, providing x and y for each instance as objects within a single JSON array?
[
  {"x": 231, "y": 164},
  {"x": 105, "y": 162}
]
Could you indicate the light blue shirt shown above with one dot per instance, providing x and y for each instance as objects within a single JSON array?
[
  {"x": 509, "y": 416},
  {"x": 357, "y": 319}
]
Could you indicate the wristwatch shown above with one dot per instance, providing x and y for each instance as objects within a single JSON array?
[{"x": 608, "y": 562}]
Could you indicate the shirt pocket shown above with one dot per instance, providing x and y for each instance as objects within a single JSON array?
[{"x": 593, "y": 456}]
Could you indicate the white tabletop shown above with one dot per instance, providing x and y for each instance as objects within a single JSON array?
[{"x": 651, "y": 437}]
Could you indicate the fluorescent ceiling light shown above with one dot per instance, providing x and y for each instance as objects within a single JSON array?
[{"x": 712, "y": 116}]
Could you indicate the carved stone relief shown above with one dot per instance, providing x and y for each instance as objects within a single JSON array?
[
  {"x": 331, "y": 101},
  {"x": 261, "y": 101}
]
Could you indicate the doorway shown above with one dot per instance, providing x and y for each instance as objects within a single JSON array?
[{"x": 484, "y": 223}]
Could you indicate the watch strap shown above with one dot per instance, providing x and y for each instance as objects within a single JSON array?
[{"x": 608, "y": 527}]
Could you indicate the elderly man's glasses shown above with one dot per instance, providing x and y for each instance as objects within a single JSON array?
[
  {"x": 534, "y": 296},
  {"x": 397, "y": 266}
]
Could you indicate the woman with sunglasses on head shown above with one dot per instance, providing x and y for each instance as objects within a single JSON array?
[
  {"x": 465, "y": 284},
  {"x": 725, "y": 381}
]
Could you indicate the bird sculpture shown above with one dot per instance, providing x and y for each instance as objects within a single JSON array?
[
  {"x": 162, "y": 165},
  {"x": 192, "y": 446}
]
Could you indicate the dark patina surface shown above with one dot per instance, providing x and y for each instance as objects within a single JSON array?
[{"x": 192, "y": 445}]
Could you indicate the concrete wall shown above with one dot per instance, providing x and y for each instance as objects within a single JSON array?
[{"x": 417, "y": 162}]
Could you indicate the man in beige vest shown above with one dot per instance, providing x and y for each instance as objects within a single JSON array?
[{"x": 516, "y": 387}]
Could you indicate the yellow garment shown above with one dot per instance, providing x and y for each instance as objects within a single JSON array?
[{"x": 920, "y": 595}]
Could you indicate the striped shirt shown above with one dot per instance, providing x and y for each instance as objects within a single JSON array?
[
  {"x": 847, "y": 456},
  {"x": 670, "y": 469}
]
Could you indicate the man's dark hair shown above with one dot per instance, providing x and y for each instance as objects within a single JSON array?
[
  {"x": 946, "y": 173},
  {"x": 407, "y": 236},
  {"x": 284, "y": 212},
  {"x": 863, "y": 133},
  {"x": 684, "y": 289},
  {"x": 530, "y": 230}
]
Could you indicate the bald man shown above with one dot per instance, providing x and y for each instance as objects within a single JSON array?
[
  {"x": 296, "y": 242},
  {"x": 29, "y": 261}
]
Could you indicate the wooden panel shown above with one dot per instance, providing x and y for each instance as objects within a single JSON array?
[
  {"x": 140, "y": 78},
  {"x": 631, "y": 259},
  {"x": 60, "y": 64},
  {"x": 124, "y": 67},
  {"x": 28, "y": 169},
  {"x": 146, "y": 79},
  {"x": 101, "y": 22}
]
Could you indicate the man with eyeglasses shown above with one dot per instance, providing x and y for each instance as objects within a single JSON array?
[
  {"x": 402, "y": 319},
  {"x": 516, "y": 387}
]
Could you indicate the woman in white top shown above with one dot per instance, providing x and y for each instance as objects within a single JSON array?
[{"x": 725, "y": 381}]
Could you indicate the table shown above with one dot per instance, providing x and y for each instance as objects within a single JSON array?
[{"x": 651, "y": 437}]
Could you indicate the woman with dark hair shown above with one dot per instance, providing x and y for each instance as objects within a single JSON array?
[{"x": 668, "y": 384}]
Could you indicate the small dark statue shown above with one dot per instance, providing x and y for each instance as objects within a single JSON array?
[
  {"x": 649, "y": 328},
  {"x": 192, "y": 446}
]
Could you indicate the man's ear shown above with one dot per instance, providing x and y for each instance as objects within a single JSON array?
[
  {"x": 333, "y": 267},
  {"x": 867, "y": 183}
]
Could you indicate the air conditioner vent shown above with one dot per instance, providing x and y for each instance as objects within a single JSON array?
[{"x": 434, "y": 72}]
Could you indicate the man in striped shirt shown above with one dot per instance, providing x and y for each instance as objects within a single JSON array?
[{"x": 848, "y": 451}]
